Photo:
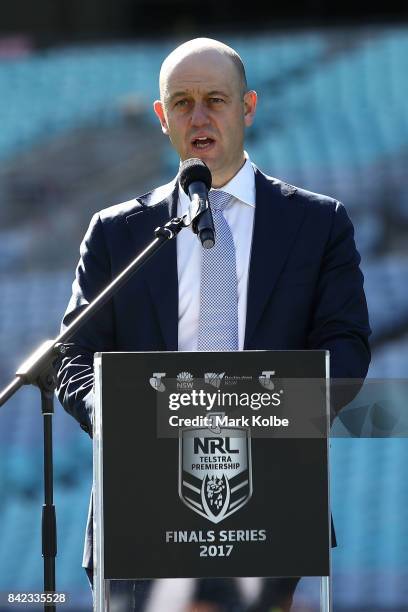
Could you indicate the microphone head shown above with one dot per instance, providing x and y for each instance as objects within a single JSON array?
[{"x": 193, "y": 170}]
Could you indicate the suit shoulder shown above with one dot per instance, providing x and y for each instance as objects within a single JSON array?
[
  {"x": 317, "y": 199},
  {"x": 289, "y": 191},
  {"x": 118, "y": 211},
  {"x": 122, "y": 210}
]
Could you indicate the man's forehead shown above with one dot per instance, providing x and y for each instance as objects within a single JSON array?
[
  {"x": 192, "y": 83},
  {"x": 209, "y": 67}
]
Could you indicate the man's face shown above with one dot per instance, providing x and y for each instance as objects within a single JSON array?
[{"x": 204, "y": 112}]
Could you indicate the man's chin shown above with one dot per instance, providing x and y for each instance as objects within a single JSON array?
[{"x": 208, "y": 156}]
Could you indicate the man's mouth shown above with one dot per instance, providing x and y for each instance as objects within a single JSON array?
[{"x": 203, "y": 142}]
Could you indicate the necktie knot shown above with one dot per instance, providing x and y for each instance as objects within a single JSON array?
[{"x": 219, "y": 200}]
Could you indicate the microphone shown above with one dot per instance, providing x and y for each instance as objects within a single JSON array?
[{"x": 195, "y": 180}]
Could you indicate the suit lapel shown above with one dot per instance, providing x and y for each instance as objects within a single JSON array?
[
  {"x": 161, "y": 270},
  {"x": 277, "y": 222}
]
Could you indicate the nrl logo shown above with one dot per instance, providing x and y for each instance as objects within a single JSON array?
[{"x": 215, "y": 471}]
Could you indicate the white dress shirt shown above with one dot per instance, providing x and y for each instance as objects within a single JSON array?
[{"x": 240, "y": 218}]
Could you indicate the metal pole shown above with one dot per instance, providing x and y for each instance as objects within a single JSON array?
[
  {"x": 325, "y": 594},
  {"x": 49, "y": 527}
]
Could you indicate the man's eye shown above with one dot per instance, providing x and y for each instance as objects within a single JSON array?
[
  {"x": 216, "y": 100},
  {"x": 181, "y": 103}
]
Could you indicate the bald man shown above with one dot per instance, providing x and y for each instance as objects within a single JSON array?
[
  {"x": 299, "y": 284},
  {"x": 205, "y": 106}
]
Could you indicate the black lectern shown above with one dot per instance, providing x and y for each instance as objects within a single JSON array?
[{"x": 211, "y": 465}]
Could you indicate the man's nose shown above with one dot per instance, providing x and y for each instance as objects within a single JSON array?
[{"x": 199, "y": 115}]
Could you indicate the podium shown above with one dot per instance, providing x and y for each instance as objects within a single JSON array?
[{"x": 211, "y": 465}]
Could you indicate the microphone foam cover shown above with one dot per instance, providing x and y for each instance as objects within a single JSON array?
[{"x": 192, "y": 170}]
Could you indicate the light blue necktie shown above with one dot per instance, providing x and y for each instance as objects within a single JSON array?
[{"x": 218, "y": 325}]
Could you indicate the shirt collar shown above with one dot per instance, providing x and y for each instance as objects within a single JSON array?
[{"x": 241, "y": 186}]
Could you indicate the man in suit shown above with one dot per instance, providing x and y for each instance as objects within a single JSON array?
[{"x": 298, "y": 280}]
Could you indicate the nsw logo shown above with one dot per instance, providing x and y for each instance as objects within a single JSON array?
[
  {"x": 185, "y": 380},
  {"x": 157, "y": 382},
  {"x": 215, "y": 471},
  {"x": 211, "y": 378}
]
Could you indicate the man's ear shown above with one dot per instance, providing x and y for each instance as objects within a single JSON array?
[
  {"x": 250, "y": 100},
  {"x": 159, "y": 110}
]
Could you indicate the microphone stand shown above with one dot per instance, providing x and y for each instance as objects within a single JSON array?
[{"x": 39, "y": 370}]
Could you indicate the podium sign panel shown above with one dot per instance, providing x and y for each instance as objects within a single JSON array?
[{"x": 188, "y": 486}]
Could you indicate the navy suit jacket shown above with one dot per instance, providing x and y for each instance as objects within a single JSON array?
[{"x": 305, "y": 287}]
